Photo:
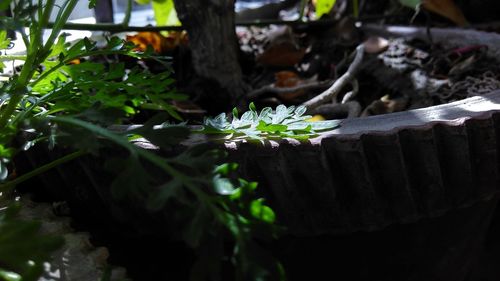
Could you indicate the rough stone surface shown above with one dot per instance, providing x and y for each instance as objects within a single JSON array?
[{"x": 78, "y": 259}]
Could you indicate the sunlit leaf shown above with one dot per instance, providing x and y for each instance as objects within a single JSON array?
[
  {"x": 324, "y": 7},
  {"x": 262, "y": 212},
  {"x": 223, "y": 186},
  {"x": 165, "y": 13},
  {"x": 4, "y": 41}
]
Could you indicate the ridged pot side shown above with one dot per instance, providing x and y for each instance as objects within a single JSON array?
[{"x": 376, "y": 171}]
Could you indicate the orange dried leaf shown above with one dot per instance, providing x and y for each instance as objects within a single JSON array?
[
  {"x": 446, "y": 8},
  {"x": 288, "y": 79},
  {"x": 282, "y": 54},
  {"x": 285, "y": 79},
  {"x": 143, "y": 39}
]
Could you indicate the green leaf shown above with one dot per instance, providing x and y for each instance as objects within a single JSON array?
[
  {"x": 4, "y": 41},
  {"x": 165, "y": 13},
  {"x": 272, "y": 128},
  {"x": 252, "y": 107},
  {"x": 226, "y": 168},
  {"x": 164, "y": 135},
  {"x": 198, "y": 226},
  {"x": 235, "y": 112},
  {"x": 324, "y": 7},
  {"x": 132, "y": 181},
  {"x": 280, "y": 115},
  {"x": 10, "y": 276},
  {"x": 165, "y": 193},
  {"x": 223, "y": 186},
  {"x": 92, "y": 4},
  {"x": 300, "y": 111},
  {"x": 261, "y": 211},
  {"x": 5, "y": 4}
]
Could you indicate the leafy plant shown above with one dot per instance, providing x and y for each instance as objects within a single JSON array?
[
  {"x": 62, "y": 97},
  {"x": 164, "y": 11},
  {"x": 324, "y": 7},
  {"x": 268, "y": 124}
]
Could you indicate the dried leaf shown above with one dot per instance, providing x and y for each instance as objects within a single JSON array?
[
  {"x": 160, "y": 43},
  {"x": 446, "y": 8},
  {"x": 143, "y": 39},
  {"x": 288, "y": 79},
  {"x": 282, "y": 54}
]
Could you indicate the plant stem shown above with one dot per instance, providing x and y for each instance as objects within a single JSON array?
[
  {"x": 42, "y": 169},
  {"x": 12, "y": 57},
  {"x": 128, "y": 13},
  {"x": 36, "y": 54},
  {"x": 303, "y": 4},
  {"x": 62, "y": 18},
  {"x": 355, "y": 8}
]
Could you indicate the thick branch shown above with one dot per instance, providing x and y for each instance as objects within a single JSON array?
[{"x": 332, "y": 92}]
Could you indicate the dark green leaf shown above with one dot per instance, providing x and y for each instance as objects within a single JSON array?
[
  {"x": 226, "y": 168},
  {"x": 163, "y": 135},
  {"x": 165, "y": 192},
  {"x": 132, "y": 182},
  {"x": 235, "y": 112},
  {"x": 252, "y": 107},
  {"x": 92, "y": 4},
  {"x": 5, "y": 4},
  {"x": 197, "y": 227}
]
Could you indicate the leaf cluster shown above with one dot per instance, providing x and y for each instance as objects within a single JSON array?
[
  {"x": 284, "y": 122},
  {"x": 61, "y": 97}
]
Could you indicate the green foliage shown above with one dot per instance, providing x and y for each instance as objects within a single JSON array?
[
  {"x": 5, "y": 4},
  {"x": 23, "y": 250},
  {"x": 63, "y": 97},
  {"x": 212, "y": 206},
  {"x": 164, "y": 11},
  {"x": 324, "y": 7},
  {"x": 92, "y": 4},
  {"x": 268, "y": 124}
]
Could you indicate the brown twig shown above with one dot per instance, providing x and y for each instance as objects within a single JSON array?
[
  {"x": 349, "y": 109},
  {"x": 271, "y": 89},
  {"x": 330, "y": 93}
]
